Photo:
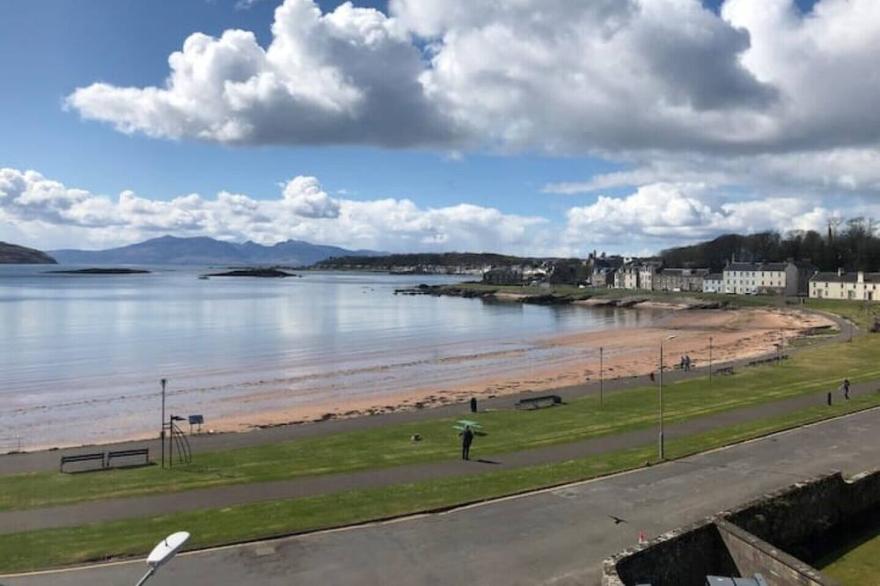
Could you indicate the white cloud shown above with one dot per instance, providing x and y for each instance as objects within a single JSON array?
[
  {"x": 604, "y": 76},
  {"x": 304, "y": 197},
  {"x": 46, "y": 209},
  {"x": 349, "y": 76},
  {"x": 664, "y": 214},
  {"x": 842, "y": 171}
]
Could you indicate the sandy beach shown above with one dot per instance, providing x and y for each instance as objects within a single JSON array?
[{"x": 629, "y": 351}]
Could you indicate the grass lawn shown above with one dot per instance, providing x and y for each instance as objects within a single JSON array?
[
  {"x": 607, "y": 293},
  {"x": 858, "y": 564},
  {"x": 810, "y": 370},
  {"x": 862, "y": 314},
  {"x": 56, "y": 547}
]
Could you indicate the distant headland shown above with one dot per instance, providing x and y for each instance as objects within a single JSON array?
[{"x": 21, "y": 255}]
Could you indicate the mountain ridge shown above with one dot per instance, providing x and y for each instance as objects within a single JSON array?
[
  {"x": 15, "y": 254},
  {"x": 203, "y": 250}
]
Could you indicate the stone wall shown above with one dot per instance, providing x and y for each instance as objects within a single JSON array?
[
  {"x": 678, "y": 558},
  {"x": 752, "y": 555},
  {"x": 793, "y": 518},
  {"x": 775, "y": 536}
]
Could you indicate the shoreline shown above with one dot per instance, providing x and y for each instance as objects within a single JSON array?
[{"x": 627, "y": 352}]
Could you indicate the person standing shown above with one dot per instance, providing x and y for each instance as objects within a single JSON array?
[
  {"x": 467, "y": 438},
  {"x": 846, "y": 389},
  {"x": 473, "y": 404}
]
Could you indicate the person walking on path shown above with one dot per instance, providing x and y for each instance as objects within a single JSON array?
[
  {"x": 467, "y": 438},
  {"x": 473, "y": 404},
  {"x": 845, "y": 387}
]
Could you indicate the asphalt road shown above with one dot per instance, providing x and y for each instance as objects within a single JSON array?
[{"x": 557, "y": 537}]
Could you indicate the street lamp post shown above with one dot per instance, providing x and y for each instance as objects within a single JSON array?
[
  {"x": 162, "y": 433},
  {"x": 601, "y": 377},
  {"x": 710, "y": 360},
  {"x": 163, "y": 552},
  {"x": 662, "y": 451}
]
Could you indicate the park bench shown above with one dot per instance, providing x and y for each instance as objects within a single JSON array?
[
  {"x": 82, "y": 458},
  {"x": 539, "y": 402},
  {"x": 724, "y": 370},
  {"x": 137, "y": 452}
]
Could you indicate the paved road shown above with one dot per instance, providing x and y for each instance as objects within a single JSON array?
[
  {"x": 223, "y": 496},
  {"x": 49, "y": 459},
  {"x": 556, "y": 537}
]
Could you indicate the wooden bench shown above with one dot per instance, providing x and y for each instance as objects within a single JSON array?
[
  {"x": 539, "y": 402},
  {"x": 137, "y": 452},
  {"x": 82, "y": 458}
]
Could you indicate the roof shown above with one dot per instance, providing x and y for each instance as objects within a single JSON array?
[
  {"x": 845, "y": 277},
  {"x": 714, "y": 277},
  {"x": 756, "y": 266},
  {"x": 684, "y": 272}
]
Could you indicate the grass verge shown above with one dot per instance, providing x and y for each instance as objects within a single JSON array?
[
  {"x": 809, "y": 371},
  {"x": 858, "y": 563},
  {"x": 57, "y": 547}
]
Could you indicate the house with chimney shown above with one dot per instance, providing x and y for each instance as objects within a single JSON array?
[
  {"x": 627, "y": 276},
  {"x": 680, "y": 280},
  {"x": 855, "y": 286},
  {"x": 767, "y": 278},
  {"x": 713, "y": 283}
]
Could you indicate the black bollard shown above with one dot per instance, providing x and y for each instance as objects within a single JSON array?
[{"x": 829, "y": 399}]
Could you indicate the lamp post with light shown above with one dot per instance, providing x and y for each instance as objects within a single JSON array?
[
  {"x": 710, "y": 360},
  {"x": 163, "y": 552},
  {"x": 660, "y": 393}
]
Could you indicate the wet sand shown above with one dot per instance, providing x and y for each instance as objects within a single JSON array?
[{"x": 736, "y": 334}]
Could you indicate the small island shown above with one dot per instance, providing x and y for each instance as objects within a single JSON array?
[
  {"x": 101, "y": 271},
  {"x": 257, "y": 272}
]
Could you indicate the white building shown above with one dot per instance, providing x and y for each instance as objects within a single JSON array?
[
  {"x": 713, "y": 283},
  {"x": 647, "y": 275},
  {"x": 858, "y": 286},
  {"x": 781, "y": 278},
  {"x": 627, "y": 277}
]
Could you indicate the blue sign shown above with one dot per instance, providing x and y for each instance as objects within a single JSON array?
[{"x": 196, "y": 419}]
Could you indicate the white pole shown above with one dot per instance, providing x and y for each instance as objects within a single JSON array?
[
  {"x": 146, "y": 577},
  {"x": 662, "y": 446},
  {"x": 661, "y": 402}
]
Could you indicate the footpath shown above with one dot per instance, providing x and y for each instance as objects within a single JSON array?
[
  {"x": 218, "y": 497},
  {"x": 46, "y": 460}
]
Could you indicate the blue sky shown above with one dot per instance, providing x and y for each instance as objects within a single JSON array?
[
  {"x": 127, "y": 42},
  {"x": 528, "y": 150}
]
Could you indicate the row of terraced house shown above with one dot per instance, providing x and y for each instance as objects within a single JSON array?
[{"x": 742, "y": 278}]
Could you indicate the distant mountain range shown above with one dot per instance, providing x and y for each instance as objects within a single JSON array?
[
  {"x": 170, "y": 250},
  {"x": 14, "y": 254}
]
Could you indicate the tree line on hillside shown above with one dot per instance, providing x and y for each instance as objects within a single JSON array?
[
  {"x": 851, "y": 245},
  {"x": 446, "y": 259}
]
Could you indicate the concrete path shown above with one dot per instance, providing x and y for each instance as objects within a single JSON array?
[
  {"x": 49, "y": 459},
  {"x": 223, "y": 496},
  {"x": 555, "y": 537}
]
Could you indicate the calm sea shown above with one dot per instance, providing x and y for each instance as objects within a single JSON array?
[{"x": 81, "y": 356}]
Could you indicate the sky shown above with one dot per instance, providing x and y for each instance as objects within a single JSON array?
[{"x": 541, "y": 127}]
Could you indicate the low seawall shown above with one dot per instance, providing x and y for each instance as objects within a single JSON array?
[{"x": 776, "y": 536}]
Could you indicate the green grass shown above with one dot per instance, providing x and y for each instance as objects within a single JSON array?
[
  {"x": 608, "y": 293},
  {"x": 56, "y": 547},
  {"x": 810, "y": 370},
  {"x": 858, "y": 563},
  {"x": 862, "y": 314}
]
